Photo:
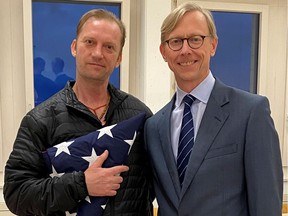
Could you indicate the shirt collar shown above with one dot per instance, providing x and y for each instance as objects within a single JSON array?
[{"x": 201, "y": 92}]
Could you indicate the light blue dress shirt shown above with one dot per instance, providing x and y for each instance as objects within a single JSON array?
[{"x": 201, "y": 93}]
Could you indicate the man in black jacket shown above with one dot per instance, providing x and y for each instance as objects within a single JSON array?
[{"x": 83, "y": 106}]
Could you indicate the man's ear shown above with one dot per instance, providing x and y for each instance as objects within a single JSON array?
[
  {"x": 214, "y": 44},
  {"x": 118, "y": 60},
  {"x": 73, "y": 48},
  {"x": 162, "y": 51}
]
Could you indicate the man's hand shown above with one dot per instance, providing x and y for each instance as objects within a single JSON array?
[{"x": 103, "y": 181}]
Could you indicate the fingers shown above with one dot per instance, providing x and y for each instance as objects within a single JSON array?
[
  {"x": 100, "y": 160},
  {"x": 114, "y": 186},
  {"x": 117, "y": 170},
  {"x": 103, "y": 181},
  {"x": 114, "y": 170}
]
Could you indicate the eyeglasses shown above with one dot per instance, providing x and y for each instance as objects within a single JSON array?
[{"x": 194, "y": 42}]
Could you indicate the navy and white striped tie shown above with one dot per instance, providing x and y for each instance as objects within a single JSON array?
[{"x": 186, "y": 138}]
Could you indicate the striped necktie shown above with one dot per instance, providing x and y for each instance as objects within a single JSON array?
[{"x": 186, "y": 138}]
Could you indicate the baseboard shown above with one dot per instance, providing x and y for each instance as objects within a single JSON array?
[
  {"x": 5, "y": 212},
  {"x": 285, "y": 208}
]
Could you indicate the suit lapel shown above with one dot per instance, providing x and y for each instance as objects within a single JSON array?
[
  {"x": 213, "y": 119},
  {"x": 164, "y": 131}
]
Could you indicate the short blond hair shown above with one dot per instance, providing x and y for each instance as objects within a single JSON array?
[
  {"x": 175, "y": 16},
  {"x": 101, "y": 14}
]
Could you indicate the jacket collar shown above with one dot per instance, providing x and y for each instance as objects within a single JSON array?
[{"x": 117, "y": 97}]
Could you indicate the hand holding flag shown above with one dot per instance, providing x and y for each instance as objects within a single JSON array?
[
  {"x": 103, "y": 181},
  {"x": 82, "y": 152}
]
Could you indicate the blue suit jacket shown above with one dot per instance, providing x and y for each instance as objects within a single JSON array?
[{"x": 235, "y": 166}]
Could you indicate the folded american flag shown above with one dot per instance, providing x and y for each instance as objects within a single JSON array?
[{"x": 78, "y": 154}]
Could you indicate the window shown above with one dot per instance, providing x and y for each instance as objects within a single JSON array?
[{"x": 236, "y": 59}]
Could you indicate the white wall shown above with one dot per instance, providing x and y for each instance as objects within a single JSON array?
[
  {"x": 12, "y": 93},
  {"x": 151, "y": 81}
]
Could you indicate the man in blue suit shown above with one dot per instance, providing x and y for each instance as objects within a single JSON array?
[{"x": 234, "y": 167}]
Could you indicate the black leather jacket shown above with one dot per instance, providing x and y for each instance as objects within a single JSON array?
[{"x": 27, "y": 188}]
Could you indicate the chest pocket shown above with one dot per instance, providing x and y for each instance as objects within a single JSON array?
[{"x": 221, "y": 151}]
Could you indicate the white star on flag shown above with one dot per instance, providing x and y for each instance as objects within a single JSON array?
[
  {"x": 106, "y": 130},
  {"x": 55, "y": 173},
  {"x": 130, "y": 142},
  {"x": 87, "y": 198},
  {"x": 70, "y": 214},
  {"x": 63, "y": 147},
  {"x": 91, "y": 159}
]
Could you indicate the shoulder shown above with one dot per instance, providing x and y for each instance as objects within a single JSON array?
[
  {"x": 222, "y": 92},
  {"x": 162, "y": 113},
  {"x": 50, "y": 108},
  {"x": 128, "y": 102}
]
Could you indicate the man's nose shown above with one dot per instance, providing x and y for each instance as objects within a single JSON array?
[
  {"x": 186, "y": 48},
  {"x": 97, "y": 52}
]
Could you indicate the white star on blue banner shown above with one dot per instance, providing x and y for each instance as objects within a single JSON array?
[{"x": 82, "y": 152}]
